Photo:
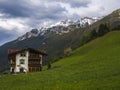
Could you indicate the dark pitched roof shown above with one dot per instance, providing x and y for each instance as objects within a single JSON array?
[{"x": 29, "y": 49}]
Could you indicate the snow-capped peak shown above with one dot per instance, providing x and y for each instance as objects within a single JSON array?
[
  {"x": 32, "y": 33},
  {"x": 88, "y": 20},
  {"x": 64, "y": 23},
  {"x": 58, "y": 27}
]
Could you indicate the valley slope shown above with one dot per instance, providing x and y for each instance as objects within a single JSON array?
[{"x": 93, "y": 66}]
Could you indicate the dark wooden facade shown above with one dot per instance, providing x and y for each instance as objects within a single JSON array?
[{"x": 34, "y": 62}]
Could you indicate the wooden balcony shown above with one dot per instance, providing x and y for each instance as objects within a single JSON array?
[
  {"x": 34, "y": 62},
  {"x": 34, "y": 65},
  {"x": 34, "y": 57}
]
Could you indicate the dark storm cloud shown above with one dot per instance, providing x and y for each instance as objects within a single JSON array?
[
  {"x": 79, "y": 3},
  {"x": 75, "y": 3},
  {"x": 14, "y": 8},
  {"x": 54, "y": 12},
  {"x": 38, "y": 13},
  {"x": 21, "y": 8}
]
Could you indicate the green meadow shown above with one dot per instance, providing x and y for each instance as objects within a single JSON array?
[{"x": 94, "y": 66}]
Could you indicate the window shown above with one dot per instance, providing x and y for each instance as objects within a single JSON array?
[
  {"x": 22, "y": 61},
  {"x": 23, "y": 54}
]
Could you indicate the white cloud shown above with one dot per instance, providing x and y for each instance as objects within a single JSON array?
[{"x": 19, "y": 25}]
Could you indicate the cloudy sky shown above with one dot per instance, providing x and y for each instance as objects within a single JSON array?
[{"x": 20, "y": 16}]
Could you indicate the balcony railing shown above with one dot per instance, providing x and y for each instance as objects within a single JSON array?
[
  {"x": 34, "y": 57},
  {"x": 34, "y": 65}
]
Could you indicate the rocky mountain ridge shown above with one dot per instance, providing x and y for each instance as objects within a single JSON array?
[{"x": 59, "y": 27}]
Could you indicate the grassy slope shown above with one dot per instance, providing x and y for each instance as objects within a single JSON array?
[{"x": 94, "y": 66}]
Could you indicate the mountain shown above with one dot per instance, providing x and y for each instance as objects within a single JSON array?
[
  {"x": 32, "y": 33},
  {"x": 94, "y": 66},
  {"x": 59, "y": 27},
  {"x": 58, "y": 39}
]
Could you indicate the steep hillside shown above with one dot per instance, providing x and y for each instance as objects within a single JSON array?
[
  {"x": 55, "y": 44},
  {"x": 93, "y": 66}
]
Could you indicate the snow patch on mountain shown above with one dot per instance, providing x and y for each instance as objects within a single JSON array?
[
  {"x": 32, "y": 33},
  {"x": 59, "y": 27},
  {"x": 65, "y": 23}
]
